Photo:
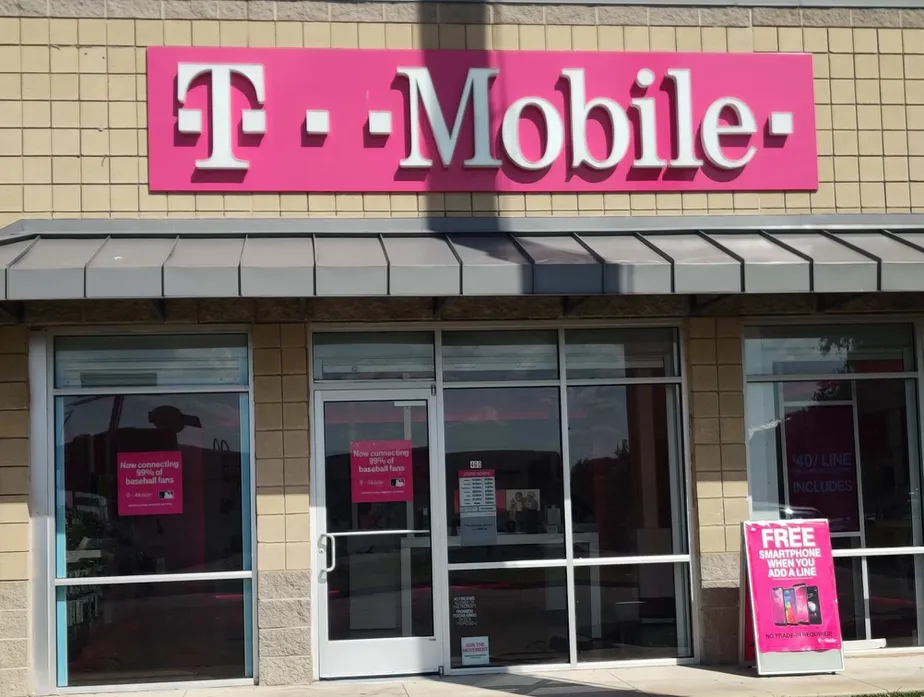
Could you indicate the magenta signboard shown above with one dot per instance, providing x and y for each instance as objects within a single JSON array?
[
  {"x": 792, "y": 587},
  {"x": 345, "y": 120},
  {"x": 150, "y": 483},
  {"x": 381, "y": 471}
]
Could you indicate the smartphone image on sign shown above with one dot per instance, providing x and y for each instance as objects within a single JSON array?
[
  {"x": 802, "y": 613},
  {"x": 814, "y": 605},
  {"x": 776, "y": 602},
  {"x": 789, "y": 605}
]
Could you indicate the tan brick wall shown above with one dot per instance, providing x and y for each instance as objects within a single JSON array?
[
  {"x": 72, "y": 115},
  {"x": 719, "y": 476},
  {"x": 15, "y": 569}
]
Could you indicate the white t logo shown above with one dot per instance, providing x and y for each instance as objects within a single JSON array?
[{"x": 253, "y": 121}]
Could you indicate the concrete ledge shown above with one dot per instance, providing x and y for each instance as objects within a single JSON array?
[{"x": 723, "y": 13}]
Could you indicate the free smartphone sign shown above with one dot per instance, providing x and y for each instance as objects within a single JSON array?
[
  {"x": 793, "y": 596},
  {"x": 352, "y": 120}
]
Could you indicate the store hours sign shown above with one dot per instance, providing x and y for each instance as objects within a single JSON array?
[{"x": 331, "y": 120}]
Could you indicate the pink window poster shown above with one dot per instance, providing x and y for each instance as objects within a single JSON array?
[
  {"x": 381, "y": 471},
  {"x": 793, "y": 593},
  {"x": 821, "y": 465},
  {"x": 150, "y": 483}
]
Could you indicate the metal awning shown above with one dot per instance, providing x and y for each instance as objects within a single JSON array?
[{"x": 49, "y": 260}]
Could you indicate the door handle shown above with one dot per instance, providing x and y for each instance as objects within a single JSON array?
[{"x": 327, "y": 542}]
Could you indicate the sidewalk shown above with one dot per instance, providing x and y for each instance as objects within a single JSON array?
[{"x": 864, "y": 675}]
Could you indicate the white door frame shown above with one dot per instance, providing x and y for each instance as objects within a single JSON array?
[{"x": 375, "y": 657}]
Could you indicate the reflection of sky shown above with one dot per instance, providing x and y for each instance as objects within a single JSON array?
[{"x": 218, "y": 414}]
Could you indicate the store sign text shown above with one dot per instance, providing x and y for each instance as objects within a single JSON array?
[{"x": 352, "y": 120}]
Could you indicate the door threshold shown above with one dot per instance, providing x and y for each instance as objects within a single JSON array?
[{"x": 374, "y": 679}]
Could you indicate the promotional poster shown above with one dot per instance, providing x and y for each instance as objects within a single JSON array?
[
  {"x": 477, "y": 507},
  {"x": 150, "y": 483},
  {"x": 790, "y": 573},
  {"x": 381, "y": 471},
  {"x": 821, "y": 464}
]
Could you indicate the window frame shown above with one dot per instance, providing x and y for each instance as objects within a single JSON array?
[
  {"x": 43, "y": 492},
  {"x": 682, "y": 524},
  {"x": 915, "y": 552}
]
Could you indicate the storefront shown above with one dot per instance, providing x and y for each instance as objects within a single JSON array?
[{"x": 362, "y": 340}]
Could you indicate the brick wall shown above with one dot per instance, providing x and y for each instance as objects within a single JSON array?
[
  {"x": 719, "y": 477},
  {"x": 15, "y": 570},
  {"x": 72, "y": 115},
  {"x": 283, "y": 536}
]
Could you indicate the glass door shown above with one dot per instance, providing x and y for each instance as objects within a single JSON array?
[{"x": 374, "y": 469}]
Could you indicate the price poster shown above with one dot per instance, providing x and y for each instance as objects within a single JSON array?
[{"x": 477, "y": 507}]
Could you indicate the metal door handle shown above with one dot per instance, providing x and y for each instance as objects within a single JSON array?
[{"x": 327, "y": 542}]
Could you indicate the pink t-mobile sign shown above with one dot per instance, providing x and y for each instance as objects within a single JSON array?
[
  {"x": 150, "y": 483},
  {"x": 332, "y": 120}
]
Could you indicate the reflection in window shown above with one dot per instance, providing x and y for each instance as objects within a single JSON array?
[
  {"x": 374, "y": 356},
  {"x": 155, "y": 632},
  {"x": 516, "y": 616},
  {"x": 632, "y": 612},
  {"x": 620, "y": 353},
  {"x": 624, "y": 447},
  {"x": 813, "y": 457},
  {"x": 504, "y": 355},
  {"x": 151, "y": 360},
  {"x": 892, "y": 599},
  {"x": 515, "y": 435},
  {"x": 114, "y": 452},
  {"x": 831, "y": 349}
]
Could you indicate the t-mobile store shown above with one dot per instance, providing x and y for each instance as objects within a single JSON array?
[{"x": 421, "y": 437}]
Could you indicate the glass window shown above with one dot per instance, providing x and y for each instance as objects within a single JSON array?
[
  {"x": 508, "y": 355},
  {"x": 632, "y": 612},
  {"x": 513, "y": 436},
  {"x": 149, "y": 483},
  {"x": 516, "y": 616},
  {"x": 150, "y": 360},
  {"x": 118, "y": 448},
  {"x": 592, "y": 354},
  {"x": 844, "y": 448},
  {"x": 852, "y": 460},
  {"x": 155, "y": 632},
  {"x": 829, "y": 349},
  {"x": 625, "y": 447},
  {"x": 374, "y": 356}
]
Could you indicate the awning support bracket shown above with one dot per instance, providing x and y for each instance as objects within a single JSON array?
[
  {"x": 12, "y": 312},
  {"x": 571, "y": 304},
  {"x": 828, "y": 302},
  {"x": 699, "y": 303},
  {"x": 438, "y": 305}
]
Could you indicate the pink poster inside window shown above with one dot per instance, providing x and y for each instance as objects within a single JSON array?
[
  {"x": 792, "y": 588},
  {"x": 821, "y": 467},
  {"x": 150, "y": 483},
  {"x": 381, "y": 471}
]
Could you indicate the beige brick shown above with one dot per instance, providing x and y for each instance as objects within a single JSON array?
[
  {"x": 271, "y": 528},
  {"x": 297, "y": 499},
  {"x": 14, "y": 509},
  {"x": 178, "y": 32},
  {"x": 298, "y": 527},
  {"x": 708, "y": 486},
  {"x": 14, "y": 537},
  {"x": 298, "y": 555},
  {"x": 269, "y": 471},
  {"x": 736, "y": 510},
  {"x": 271, "y": 557},
  {"x": 711, "y": 512},
  {"x": 297, "y": 471},
  {"x": 270, "y": 500},
  {"x": 268, "y": 417},
  {"x": 712, "y": 539},
  {"x": 206, "y": 33},
  {"x": 14, "y": 566}
]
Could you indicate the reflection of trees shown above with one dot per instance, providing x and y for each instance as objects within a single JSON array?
[{"x": 584, "y": 479}]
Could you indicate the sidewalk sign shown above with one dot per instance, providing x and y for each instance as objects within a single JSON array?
[{"x": 789, "y": 598}]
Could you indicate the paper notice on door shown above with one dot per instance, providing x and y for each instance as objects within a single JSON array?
[
  {"x": 477, "y": 507},
  {"x": 475, "y": 651}
]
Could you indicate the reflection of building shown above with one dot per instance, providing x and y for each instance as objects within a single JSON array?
[{"x": 643, "y": 349}]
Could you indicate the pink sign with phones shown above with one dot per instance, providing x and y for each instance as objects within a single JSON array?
[{"x": 792, "y": 587}]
